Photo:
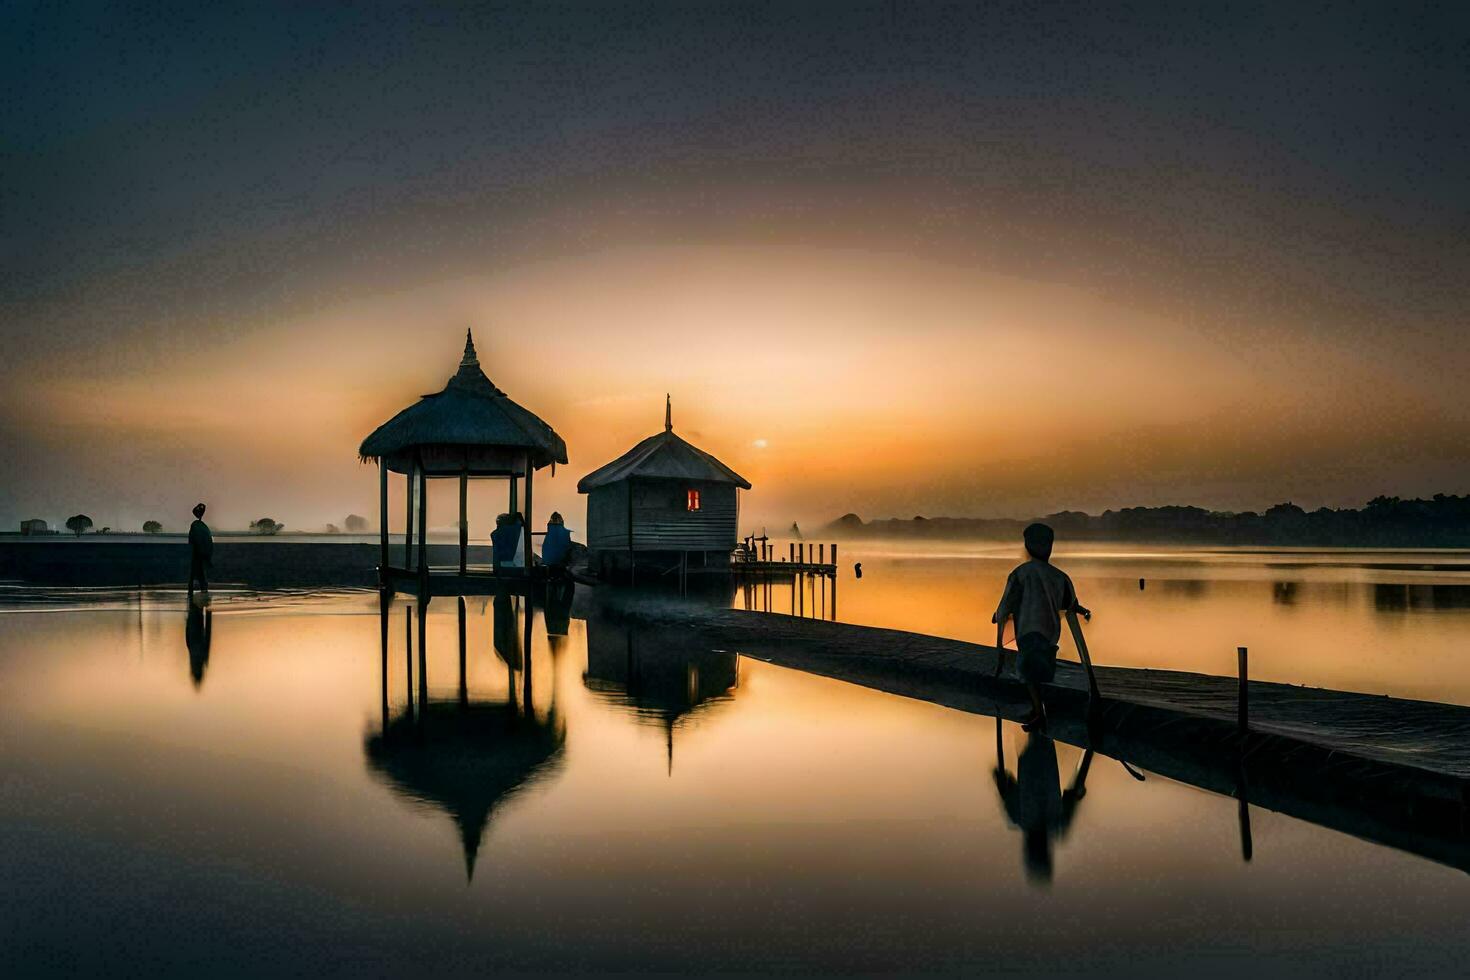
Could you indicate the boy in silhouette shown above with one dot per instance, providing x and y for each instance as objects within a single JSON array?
[
  {"x": 1037, "y": 593},
  {"x": 201, "y": 551}
]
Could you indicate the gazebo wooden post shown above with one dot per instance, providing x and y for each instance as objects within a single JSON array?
[
  {"x": 530, "y": 472},
  {"x": 383, "y": 521},
  {"x": 464, "y": 527},
  {"x": 514, "y": 505},
  {"x": 423, "y": 530},
  {"x": 408, "y": 517}
]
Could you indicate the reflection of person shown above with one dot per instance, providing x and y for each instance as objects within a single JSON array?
[
  {"x": 1034, "y": 801},
  {"x": 201, "y": 551},
  {"x": 506, "y": 544},
  {"x": 1036, "y": 594},
  {"x": 198, "y": 630},
  {"x": 557, "y": 544}
]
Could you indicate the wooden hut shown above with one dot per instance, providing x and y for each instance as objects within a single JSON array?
[
  {"x": 468, "y": 431},
  {"x": 663, "y": 504}
]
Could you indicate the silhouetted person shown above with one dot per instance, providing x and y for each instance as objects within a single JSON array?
[
  {"x": 201, "y": 552},
  {"x": 556, "y": 547},
  {"x": 1035, "y": 804},
  {"x": 198, "y": 630},
  {"x": 1037, "y": 593},
  {"x": 506, "y": 542}
]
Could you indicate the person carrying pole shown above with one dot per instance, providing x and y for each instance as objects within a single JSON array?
[{"x": 1036, "y": 595}]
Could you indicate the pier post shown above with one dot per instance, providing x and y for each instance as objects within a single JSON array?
[
  {"x": 423, "y": 484},
  {"x": 464, "y": 690},
  {"x": 1242, "y": 711},
  {"x": 464, "y": 524},
  {"x": 383, "y": 523},
  {"x": 408, "y": 518},
  {"x": 530, "y": 472},
  {"x": 834, "y": 553},
  {"x": 423, "y": 658}
]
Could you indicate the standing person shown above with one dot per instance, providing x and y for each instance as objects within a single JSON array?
[
  {"x": 557, "y": 544},
  {"x": 1036, "y": 594},
  {"x": 201, "y": 552}
]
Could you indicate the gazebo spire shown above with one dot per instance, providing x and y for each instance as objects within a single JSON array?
[
  {"x": 668, "y": 413},
  {"x": 470, "y": 359}
]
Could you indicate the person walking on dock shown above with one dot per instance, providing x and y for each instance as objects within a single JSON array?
[
  {"x": 1036, "y": 595},
  {"x": 201, "y": 552}
]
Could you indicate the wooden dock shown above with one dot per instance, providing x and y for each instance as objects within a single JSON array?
[{"x": 1390, "y": 770}]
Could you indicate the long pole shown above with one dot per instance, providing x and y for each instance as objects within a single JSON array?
[{"x": 1092, "y": 692}]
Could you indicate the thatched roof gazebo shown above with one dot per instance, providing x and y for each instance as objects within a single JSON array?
[{"x": 469, "y": 430}]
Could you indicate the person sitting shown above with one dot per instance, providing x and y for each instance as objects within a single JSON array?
[
  {"x": 508, "y": 541},
  {"x": 556, "y": 547}
]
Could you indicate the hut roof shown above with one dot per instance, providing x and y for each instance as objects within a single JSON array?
[
  {"x": 666, "y": 456},
  {"x": 470, "y": 411}
]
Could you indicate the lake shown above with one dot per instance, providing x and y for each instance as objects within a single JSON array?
[{"x": 266, "y": 798}]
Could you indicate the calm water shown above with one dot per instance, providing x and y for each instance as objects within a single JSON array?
[
  {"x": 1384, "y": 622},
  {"x": 252, "y": 808}
]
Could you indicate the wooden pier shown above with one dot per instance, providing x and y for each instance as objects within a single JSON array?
[{"x": 1389, "y": 770}]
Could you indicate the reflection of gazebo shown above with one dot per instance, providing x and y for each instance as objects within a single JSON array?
[
  {"x": 466, "y": 758},
  {"x": 470, "y": 430},
  {"x": 466, "y": 755},
  {"x": 656, "y": 673}
]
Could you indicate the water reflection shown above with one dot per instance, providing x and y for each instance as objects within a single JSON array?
[
  {"x": 657, "y": 674},
  {"x": 470, "y": 754},
  {"x": 198, "y": 631},
  {"x": 1034, "y": 801},
  {"x": 1394, "y": 597}
]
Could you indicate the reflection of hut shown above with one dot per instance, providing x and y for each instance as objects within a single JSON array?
[
  {"x": 467, "y": 759},
  {"x": 470, "y": 430},
  {"x": 656, "y": 674},
  {"x": 664, "y": 503}
]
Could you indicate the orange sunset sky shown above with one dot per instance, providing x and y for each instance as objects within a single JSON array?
[{"x": 896, "y": 268}]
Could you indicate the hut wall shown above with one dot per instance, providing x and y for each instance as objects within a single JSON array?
[{"x": 662, "y": 520}]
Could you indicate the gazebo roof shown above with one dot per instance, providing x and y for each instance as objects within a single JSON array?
[
  {"x": 470, "y": 411},
  {"x": 664, "y": 456}
]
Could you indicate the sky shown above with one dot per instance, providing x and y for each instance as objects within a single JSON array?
[{"x": 895, "y": 259}]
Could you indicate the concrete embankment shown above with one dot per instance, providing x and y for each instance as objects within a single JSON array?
[{"x": 259, "y": 562}]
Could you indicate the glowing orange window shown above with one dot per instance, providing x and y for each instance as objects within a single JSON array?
[{"x": 694, "y": 500}]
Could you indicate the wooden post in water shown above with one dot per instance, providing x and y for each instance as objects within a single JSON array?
[
  {"x": 408, "y": 657},
  {"x": 464, "y": 524},
  {"x": 383, "y": 526},
  {"x": 464, "y": 690},
  {"x": 530, "y": 472},
  {"x": 385, "y": 602},
  {"x": 423, "y": 656},
  {"x": 423, "y": 537},
  {"x": 408, "y": 491},
  {"x": 1242, "y": 707},
  {"x": 821, "y": 554}
]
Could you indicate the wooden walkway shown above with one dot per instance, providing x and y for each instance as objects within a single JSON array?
[{"x": 1389, "y": 770}]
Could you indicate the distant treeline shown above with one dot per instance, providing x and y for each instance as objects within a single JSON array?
[{"x": 1385, "y": 522}]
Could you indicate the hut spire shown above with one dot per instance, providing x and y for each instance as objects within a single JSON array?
[
  {"x": 668, "y": 413},
  {"x": 470, "y": 359}
]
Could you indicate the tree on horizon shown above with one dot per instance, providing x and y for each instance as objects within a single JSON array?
[
  {"x": 152, "y": 527},
  {"x": 78, "y": 523}
]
